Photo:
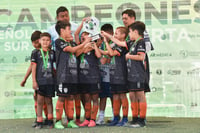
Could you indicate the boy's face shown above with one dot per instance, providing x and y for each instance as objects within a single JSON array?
[
  {"x": 132, "y": 34},
  {"x": 119, "y": 35},
  {"x": 127, "y": 20},
  {"x": 45, "y": 42},
  {"x": 83, "y": 36},
  {"x": 36, "y": 44},
  {"x": 67, "y": 33},
  {"x": 63, "y": 16}
]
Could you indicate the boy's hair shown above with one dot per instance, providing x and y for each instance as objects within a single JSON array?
[
  {"x": 61, "y": 25},
  {"x": 123, "y": 30},
  {"x": 107, "y": 28},
  {"x": 139, "y": 26},
  {"x": 46, "y": 34},
  {"x": 61, "y": 9},
  {"x": 35, "y": 35},
  {"x": 130, "y": 12}
]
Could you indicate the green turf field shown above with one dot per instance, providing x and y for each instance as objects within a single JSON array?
[{"x": 154, "y": 125}]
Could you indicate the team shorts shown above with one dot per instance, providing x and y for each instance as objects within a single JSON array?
[
  {"x": 136, "y": 86},
  {"x": 90, "y": 88},
  {"x": 66, "y": 89},
  {"x": 118, "y": 88},
  {"x": 46, "y": 90},
  {"x": 105, "y": 90}
]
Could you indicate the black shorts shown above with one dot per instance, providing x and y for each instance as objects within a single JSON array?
[
  {"x": 46, "y": 90},
  {"x": 136, "y": 86},
  {"x": 147, "y": 88},
  {"x": 105, "y": 90},
  {"x": 90, "y": 88},
  {"x": 118, "y": 88},
  {"x": 64, "y": 90}
]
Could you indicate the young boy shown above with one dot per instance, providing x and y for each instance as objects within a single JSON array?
[
  {"x": 137, "y": 78},
  {"x": 90, "y": 81},
  {"x": 118, "y": 76},
  {"x": 43, "y": 77},
  {"x": 67, "y": 73},
  {"x": 35, "y": 42},
  {"x": 105, "y": 77}
]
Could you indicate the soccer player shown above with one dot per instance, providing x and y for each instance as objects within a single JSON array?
[{"x": 43, "y": 76}]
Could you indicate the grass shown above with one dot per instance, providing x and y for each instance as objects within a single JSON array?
[{"x": 154, "y": 125}]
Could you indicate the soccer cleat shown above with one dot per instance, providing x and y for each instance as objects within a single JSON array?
[
  {"x": 114, "y": 122},
  {"x": 138, "y": 124},
  {"x": 58, "y": 125},
  {"x": 85, "y": 123},
  {"x": 100, "y": 122},
  {"x": 122, "y": 122},
  {"x": 134, "y": 121},
  {"x": 38, "y": 125},
  {"x": 72, "y": 124},
  {"x": 50, "y": 124},
  {"x": 78, "y": 122},
  {"x": 34, "y": 124},
  {"x": 92, "y": 123},
  {"x": 45, "y": 122}
]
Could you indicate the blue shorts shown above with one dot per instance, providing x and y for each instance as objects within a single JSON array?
[{"x": 105, "y": 90}]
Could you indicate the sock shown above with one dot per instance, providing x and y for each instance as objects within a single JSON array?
[
  {"x": 45, "y": 110},
  {"x": 116, "y": 106},
  {"x": 39, "y": 119},
  {"x": 87, "y": 110},
  {"x": 135, "y": 109},
  {"x": 35, "y": 107},
  {"x": 101, "y": 114},
  {"x": 70, "y": 109},
  {"x": 78, "y": 108},
  {"x": 65, "y": 107},
  {"x": 50, "y": 116},
  {"x": 94, "y": 112},
  {"x": 59, "y": 110},
  {"x": 143, "y": 110},
  {"x": 124, "y": 107}
]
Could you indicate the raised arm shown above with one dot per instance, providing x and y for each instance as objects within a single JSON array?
[
  {"x": 78, "y": 30},
  {"x": 116, "y": 41}
]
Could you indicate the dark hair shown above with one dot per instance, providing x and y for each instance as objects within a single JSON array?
[
  {"x": 130, "y": 12},
  {"x": 107, "y": 28},
  {"x": 35, "y": 35},
  {"x": 45, "y": 34},
  {"x": 123, "y": 30},
  {"x": 139, "y": 26},
  {"x": 61, "y": 25},
  {"x": 61, "y": 9}
]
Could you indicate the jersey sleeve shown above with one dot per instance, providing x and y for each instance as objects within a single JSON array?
[
  {"x": 34, "y": 56},
  {"x": 141, "y": 46},
  {"x": 118, "y": 49},
  {"x": 60, "y": 44}
]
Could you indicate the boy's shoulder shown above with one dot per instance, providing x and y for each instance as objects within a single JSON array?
[{"x": 35, "y": 50}]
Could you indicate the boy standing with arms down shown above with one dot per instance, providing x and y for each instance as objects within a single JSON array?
[
  {"x": 43, "y": 77},
  {"x": 137, "y": 78},
  {"x": 35, "y": 37},
  {"x": 67, "y": 73}
]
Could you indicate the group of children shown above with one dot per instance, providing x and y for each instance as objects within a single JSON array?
[{"x": 81, "y": 71}]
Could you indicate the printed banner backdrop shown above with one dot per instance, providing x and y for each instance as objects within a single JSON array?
[{"x": 173, "y": 26}]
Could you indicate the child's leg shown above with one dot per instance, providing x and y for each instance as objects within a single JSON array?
[
  {"x": 70, "y": 107},
  {"x": 40, "y": 102},
  {"x": 94, "y": 110},
  {"x": 78, "y": 106},
  {"x": 35, "y": 100},
  {"x": 59, "y": 108},
  {"x": 140, "y": 95},
  {"x": 124, "y": 102},
  {"x": 49, "y": 104},
  {"x": 87, "y": 102},
  {"x": 95, "y": 106},
  {"x": 134, "y": 105},
  {"x": 65, "y": 107},
  {"x": 116, "y": 108},
  {"x": 59, "y": 112}
]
